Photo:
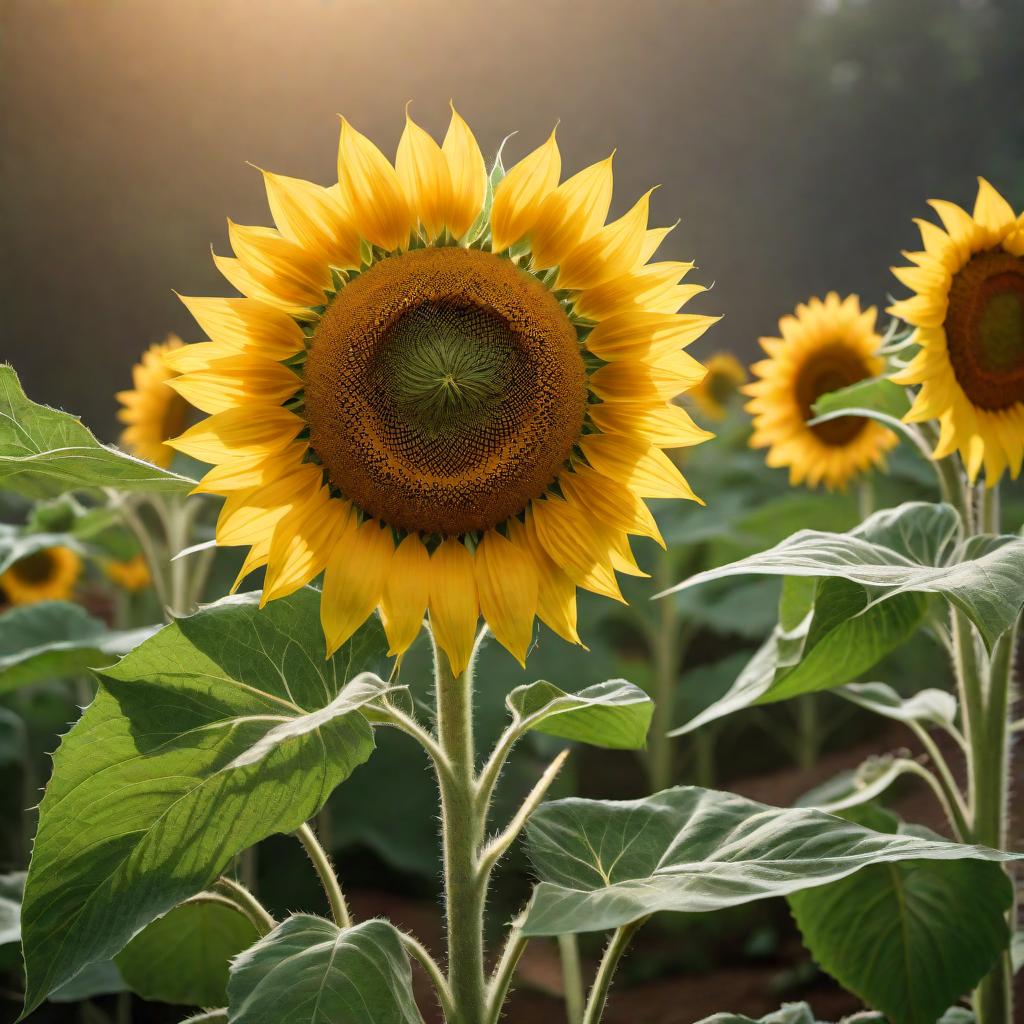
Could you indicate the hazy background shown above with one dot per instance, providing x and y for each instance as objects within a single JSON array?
[{"x": 795, "y": 139}]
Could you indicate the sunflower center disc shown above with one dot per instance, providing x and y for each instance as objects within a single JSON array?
[
  {"x": 34, "y": 568},
  {"x": 829, "y": 369},
  {"x": 444, "y": 390},
  {"x": 985, "y": 329}
]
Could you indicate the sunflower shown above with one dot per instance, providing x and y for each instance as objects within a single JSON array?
[
  {"x": 824, "y": 346},
  {"x": 725, "y": 377},
  {"x": 46, "y": 575},
  {"x": 131, "y": 574},
  {"x": 969, "y": 318},
  {"x": 447, "y": 397},
  {"x": 152, "y": 411}
]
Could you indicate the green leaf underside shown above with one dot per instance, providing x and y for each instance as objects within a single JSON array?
[
  {"x": 911, "y": 938},
  {"x": 853, "y": 788},
  {"x": 45, "y": 452},
  {"x": 603, "y": 864},
  {"x": 788, "y": 1013},
  {"x": 183, "y": 956},
  {"x": 929, "y": 707},
  {"x": 613, "y": 714},
  {"x": 144, "y": 809},
  {"x": 876, "y": 394},
  {"x": 56, "y": 639},
  {"x": 841, "y": 637},
  {"x": 308, "y": 971},
  {"x": 909, "y": 549}
]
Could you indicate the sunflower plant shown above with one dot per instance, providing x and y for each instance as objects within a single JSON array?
[
  {"x": 437, "y": 410},
  {"x": 830, "y": 400}
]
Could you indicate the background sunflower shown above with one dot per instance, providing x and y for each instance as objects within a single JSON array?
[{"x": 46, "y": 575}]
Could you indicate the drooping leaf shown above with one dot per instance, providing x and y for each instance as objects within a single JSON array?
[
  {"x": 929, "y": 707},
  {"x": 604, "y": 864},
  {"x": 905, "y": 550},
  {"x": 909, "y": 938},
  {"x": 614, "y": 714},
  {"x": 789, "y": 1013},
  {"x": 45, "y": 452},
  {"x": 860, "y": 786},
  {"x": 183, "y": 957},
  {"x": 144, "y": 809},
  {"x": 57, "y": 639},
  {"x": 309, "y": 971}
]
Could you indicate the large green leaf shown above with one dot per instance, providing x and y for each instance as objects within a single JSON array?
[
  {"x": 146, "y": 806},
  {"x": 604, "y": 864},
  {"x": 44, "y": 452},
  {"x": 56, "y": 639},
  {"x": 928, "y": 707},
  {"x": 614, "y": 714},
  {"x": 309, "y": 971},
  {"x": 839, "y": 638},
  {"x": 908, "y": 938},
  {"x": 183, "y": 956},
  {"x": 909, "y": 549}
]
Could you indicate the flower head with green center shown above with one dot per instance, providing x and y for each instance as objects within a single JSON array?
[{"x": 448, "y": 393}]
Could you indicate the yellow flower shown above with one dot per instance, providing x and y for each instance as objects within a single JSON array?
[
  {"x": 151, "y": 411},
  {"x": 46, "y": 575},
  {"x": 725, "y": 377},
  {"x": 824, "y": 346},
  {"x": 447, "y": 405},
  {"x": 131, "y": 575},
  {"x": 969, "y": 313}
]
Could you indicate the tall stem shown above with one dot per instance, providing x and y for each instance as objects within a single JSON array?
[
  {"x": 606, "y": 971},
  {"x": 666, "y": 641},
  {"x": 462, "y": 833},
  {"x": 572, "y": 978},
  {"x": 328, "y": 878}
]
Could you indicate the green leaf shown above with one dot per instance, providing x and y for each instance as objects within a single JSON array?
[
  {"x": 925, "y": 932},
  {"x": 183, "y": 957},
  {"x": 909, "y": 549},
  {"x": 853, "y": 788},
  {"x": 928, "y": 707},
  {"x": 875, "y": 394},
  {"x": 98, "y": 979},
  {"x": 789, "y": 1013},
  {"x": 614, "y": 714},
  {"x": 144, "y": 808},
  {"x": 309, "y": 971},
  {"x": 45, "y": 452},
  {"x": 604, "y": 864},
  {"x": 57, "y": 639},
  {"x": 838, "y": 639}
]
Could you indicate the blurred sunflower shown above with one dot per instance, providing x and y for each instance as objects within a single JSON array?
[
  {"x": 46, "y": 575},
  {"x": 824, "y": 346},
  {"x": 151, "y": 411},
  {"x": 969, "y": 313},
  {"x": 725, "y": 377},
  {"x": 440, "y": 398},
  {"x": 131, "y": 574}
]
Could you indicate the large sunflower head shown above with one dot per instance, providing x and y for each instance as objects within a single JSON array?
[
  {"x": 969, "y": 313},
  {"x": 722, "y": 384},
  {"x": 46, "y": 575},
  {"x": 451, "y": 395},
  {"x": 824, "y": 346},
  {"x": 151, "y": 411}
]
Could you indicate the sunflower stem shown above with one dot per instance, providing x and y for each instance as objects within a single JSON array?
[
  {"x": 605, "y": 972},
  {"x": 328, "y": 878},
  {"x": 572, "y": 978},
  {"x": 462, "y": 830}
]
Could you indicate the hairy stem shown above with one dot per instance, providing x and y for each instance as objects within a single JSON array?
[
  {"x": 498, "y": 988},
  {"x": 416, "y": 949},
  {"x": 328, "y": 878},
  {"x": 245, "y": 901},
  {"x": 572, "y": 978},
  {"x": 606, "y": 971}
]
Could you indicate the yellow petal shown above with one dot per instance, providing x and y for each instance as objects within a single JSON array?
[
  {"x": 423, "y": 172},
  {"x": 571, "y": 214},
  {"x": 556, "y": 593},
  {"x": 313, "y": 217},
  {"x": 645, "y": 469},
  {"x": 371, "y": 191},
  {"x": 406, "y": 594},
  {"x": 506, "y": 581},
  {"x": 237, "y": 381},
  {"x": 302, "y": 543},
  {"x": 246, "y": 325},
  {"x": 237, "y": 432},
  {"x": 354, "y": 581},
  {"x": 239, "y": 277},
  {"x": 630, "y": 381},
  {"x": 573, "y": 546},
  {"x": 612, "y": 251},
  {"x": 640, "y": 335},
  {"x": 200, "y": 355},
  {"x": 279, "y": 265},
  {"x": 251, "y": 471},
  {"x": 453, "y": 602},
  {"x": 518, "y": 197},
  {"x": 248, "y": 516},
  {"x": 991, "y": 210},
  {"x": 468, "y": 175},
  {"x": 611, "y": 502},
  {"x": 667, "y": 426}
]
